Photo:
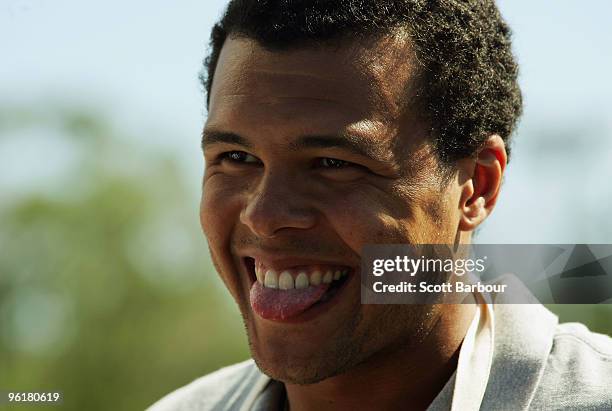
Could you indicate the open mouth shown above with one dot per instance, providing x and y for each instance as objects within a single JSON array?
[{"x": 288, "y": 294}]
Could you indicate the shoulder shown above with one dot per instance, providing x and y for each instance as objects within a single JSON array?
[
  {"x": 578, "y": 370},
  {"x": 214, "y": 390}
]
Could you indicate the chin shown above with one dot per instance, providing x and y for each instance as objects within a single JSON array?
[
  {"x": 291, "y": 363},
  {"x": 299, "y": 371}
]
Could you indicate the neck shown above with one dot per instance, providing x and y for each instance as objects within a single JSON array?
[{"x": 411, "y": 376}]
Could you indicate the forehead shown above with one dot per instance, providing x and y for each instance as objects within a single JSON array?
[{"x": 346, "y": 79}]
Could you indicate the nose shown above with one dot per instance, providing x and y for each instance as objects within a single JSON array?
[{"x": 275, "y": 205}]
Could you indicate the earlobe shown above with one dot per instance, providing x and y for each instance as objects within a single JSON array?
[
  {"x": 473, "y": 214},
  {"x": 480, "y": 192}
]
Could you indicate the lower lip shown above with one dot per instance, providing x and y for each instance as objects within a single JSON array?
[{"x": 318, "y": 308}]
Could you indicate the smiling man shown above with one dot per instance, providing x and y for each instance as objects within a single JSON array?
[{"x": 332, "y": 125}]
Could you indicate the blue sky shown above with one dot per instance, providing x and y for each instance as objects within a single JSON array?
[{"x": 138, "y": 61}]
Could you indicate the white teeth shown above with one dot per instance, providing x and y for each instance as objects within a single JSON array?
[
  {"x": 285, "y": 281},
  {"x": 271, "y": 280},
  {"x": 301, "y": 281},
  {"x": 259, "y": 274},
  {"x": 315, "y": 278}
]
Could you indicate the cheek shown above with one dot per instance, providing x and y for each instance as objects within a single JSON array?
[
  {"x": 367, "y": 215},
  {"x": 209, "y": 214},
  {"x": 219, "y": 211},
  {"x": 402, "y": 212}
]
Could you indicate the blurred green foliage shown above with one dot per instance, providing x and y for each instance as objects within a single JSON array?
[
  {"x": 106, "y": 289},
  {"x": 107, "y": 292}
]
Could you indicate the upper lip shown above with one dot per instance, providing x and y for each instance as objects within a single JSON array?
[{"x": 281, "y": 261}]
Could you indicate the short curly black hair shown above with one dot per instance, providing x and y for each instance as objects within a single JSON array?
[{"x": 467, "y": 73}]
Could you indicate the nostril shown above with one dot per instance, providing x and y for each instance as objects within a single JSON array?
[
  {"x": 261, "y": 216},
  {"x": 270, "y": 211}
]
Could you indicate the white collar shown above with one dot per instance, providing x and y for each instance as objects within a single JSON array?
[{"x": 475, "y": 359}]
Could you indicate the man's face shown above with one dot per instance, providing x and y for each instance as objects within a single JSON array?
[{"x": 311, "y": 154}]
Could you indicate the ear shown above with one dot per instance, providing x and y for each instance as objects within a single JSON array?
[{"x": 481, "y": 188}]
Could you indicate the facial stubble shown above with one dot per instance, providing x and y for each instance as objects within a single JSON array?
[{"x": 395, "y": 328}]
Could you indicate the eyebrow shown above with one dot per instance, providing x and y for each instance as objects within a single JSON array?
[
  {"x": 210, "y": 137},
  {"x": 354, "y": 143}
]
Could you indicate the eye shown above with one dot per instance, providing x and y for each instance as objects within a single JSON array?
[
  {"x": 238, "y": 157},
  {"x": 333, "y": 163},
  {"x": 339, "y": 170}
]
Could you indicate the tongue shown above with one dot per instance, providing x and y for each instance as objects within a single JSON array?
[{"x": 273, "y": 304}]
